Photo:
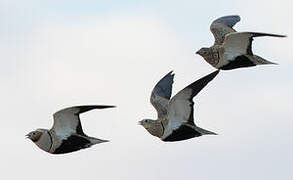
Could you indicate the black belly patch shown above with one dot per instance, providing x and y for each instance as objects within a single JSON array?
[
  {"x": 72, "y": 143},
  {"x": 239, "y": 62},
  {"x": 183, "y": 133}
]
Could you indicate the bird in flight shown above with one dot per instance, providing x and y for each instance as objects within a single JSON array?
[
  {"x": 175, "y": 116},
  {"x": 66, "y": 135},
  {"x": 232, "y": 49}
]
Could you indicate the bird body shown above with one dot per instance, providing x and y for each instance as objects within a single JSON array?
[
  {"x": 175, "y": 116},
  {"x": 66, "y": 135},
  {"x": 232, "y": 49}
]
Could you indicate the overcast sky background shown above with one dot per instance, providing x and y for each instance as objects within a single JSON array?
[{"x": 56, "y": 54}]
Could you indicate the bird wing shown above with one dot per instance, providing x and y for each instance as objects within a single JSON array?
[
  {"x": 67, "y": 121},
  {"x": 239, "y": 43},
  {"x": 222, "y": 26},
  {"x": 161, "y": 94},
  {"x": 180, "y": 109}
]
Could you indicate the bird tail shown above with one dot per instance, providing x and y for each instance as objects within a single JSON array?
[
  {"x": 259, "y": 60},
  {"x": 96, "y": 140},
  {"x": 203, "y": 131}
]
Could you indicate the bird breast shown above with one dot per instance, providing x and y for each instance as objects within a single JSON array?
[
  {"x": 45, "y": 142},
  {"x": 212, "y": 57},
  {"x": 156, "y": 129}
]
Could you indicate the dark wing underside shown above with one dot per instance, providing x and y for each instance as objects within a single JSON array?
[
  {"x": 239, "y": 62},
  {"x": 183, "y": 133},
  {"x": 72, "y": 143}
]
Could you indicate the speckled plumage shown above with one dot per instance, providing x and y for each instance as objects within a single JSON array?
[{"x": 232, "y": 49}]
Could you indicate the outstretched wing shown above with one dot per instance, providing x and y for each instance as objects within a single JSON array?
[
  {"x": 180, "y": 110},
  {"x": 161, "y": 94},
  {"x": 67, "y": 121},
  {"x": 222, "y": 26},
  {"x": 239, "y": 43}
]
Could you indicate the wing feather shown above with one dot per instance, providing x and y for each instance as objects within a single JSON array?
[
  {"x": 239, "y": 43},
  {"x": 222, "y": 26},
  {"x": 67, "y": 121},
  {"x": 161, "y": 94},
  {"x": 180, "y": 109}
]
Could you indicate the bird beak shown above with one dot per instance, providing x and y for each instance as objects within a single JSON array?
[
  {"x": 139, "y": 123},
  {"x": 28, "y": 135},
  {"x": 196, "y": 52}
]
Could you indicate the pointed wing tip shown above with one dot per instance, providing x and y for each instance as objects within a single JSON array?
[
  {"x": 261, "y": 34},
  {"x": 102, "y": 106},
  {"x": 210, "y": 76},
  {"x": 279, "y": 35},
  {"x": 222, "y": 19},
  {"x": 198, "y": 85},
  {"x": 215, "y": 73},
  {"x": 107, "y": 106},
  {"x": 171, "y": 73},
  {"x": 237, "y": 17},
  {"x": 213, "y": 133}
]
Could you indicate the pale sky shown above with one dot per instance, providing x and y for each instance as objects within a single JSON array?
[{"x": 56, "y": 54}]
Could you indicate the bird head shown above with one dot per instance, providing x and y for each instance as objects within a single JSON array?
[
  {"x": 154, "y": 127},
  {"x": 203, "y": 52},
  {"x": 147, "y": 123},
  {"x": 35, "y": 135},
  {"x": 209, "y": 56}
]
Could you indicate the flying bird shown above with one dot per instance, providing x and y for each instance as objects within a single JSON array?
[
  {"x": 66, "y": 135},
  {"x": 232, "y": 49},
  {"x": 175, "y": 116}
]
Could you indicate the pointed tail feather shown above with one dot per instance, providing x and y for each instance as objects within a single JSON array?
[
  {"x": 96, "y": 140},
  {"x": 259, "y": 60},
  {"x": 203, "y": 131}
]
